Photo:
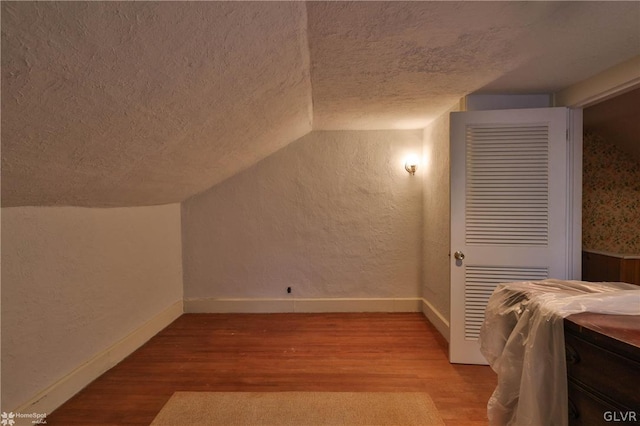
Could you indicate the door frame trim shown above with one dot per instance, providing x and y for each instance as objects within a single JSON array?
[{"x": 612, "y": 82}]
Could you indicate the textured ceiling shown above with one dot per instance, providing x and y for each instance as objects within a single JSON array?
[
  {"x": 136, "y": 103},
  {"x": 141, "y": 103},
  {"x": 398, "y": 65}
]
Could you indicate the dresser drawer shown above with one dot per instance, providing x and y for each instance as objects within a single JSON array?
[
  {"x": 614, "y": 376},
  {"x": 587, "y": 409}
]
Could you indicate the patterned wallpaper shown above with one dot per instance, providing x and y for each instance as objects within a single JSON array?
[{"x": 610, "y": 198}]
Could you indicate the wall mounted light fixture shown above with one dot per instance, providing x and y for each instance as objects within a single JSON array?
[{"x": 411, "y": 164}]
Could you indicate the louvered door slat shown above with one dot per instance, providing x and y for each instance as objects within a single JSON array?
[
  {"x": 480, "y": 281},
  {"x": 507, "y": 171}
]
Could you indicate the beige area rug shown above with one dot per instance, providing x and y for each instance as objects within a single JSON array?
[{"x": 298, "y": 408}]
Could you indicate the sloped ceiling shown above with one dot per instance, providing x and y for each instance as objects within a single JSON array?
[
  {"x": 141, "y": 103},
  {"x": 136, "y": 103}
]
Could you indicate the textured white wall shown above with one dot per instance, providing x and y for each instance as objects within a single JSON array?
[
  {"x": 333, "y": 215},
  {"x": 75, "y": 281},
  {"x": 436, "y": 269}
]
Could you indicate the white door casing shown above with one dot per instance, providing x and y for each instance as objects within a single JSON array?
[{"x": 512, "y": 210}]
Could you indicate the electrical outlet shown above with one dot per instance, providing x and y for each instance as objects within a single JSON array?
[{"x": 289, "y": 290}]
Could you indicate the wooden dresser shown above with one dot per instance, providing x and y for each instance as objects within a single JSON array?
[
  {"x": 612, "y": 267},
  {"x": 603, "y": 369}
]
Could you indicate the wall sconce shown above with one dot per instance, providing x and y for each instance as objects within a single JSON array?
[{"x": 411, "y": 164}]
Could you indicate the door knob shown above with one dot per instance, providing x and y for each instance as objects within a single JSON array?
[{"x": 458, "y": 255}]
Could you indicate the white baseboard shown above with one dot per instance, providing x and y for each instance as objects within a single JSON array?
[
  {"x": 213, "y": 305},
  {"x": 58, "y": 393},
  {"x": 357, "y": 305},
  {"x": 435, "y": 317}
]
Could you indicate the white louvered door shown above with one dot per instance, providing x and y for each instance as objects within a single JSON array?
[{"x": 510, "y": 202}]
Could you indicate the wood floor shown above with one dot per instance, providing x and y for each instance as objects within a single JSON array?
[{"x": 284, "y": 352}]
